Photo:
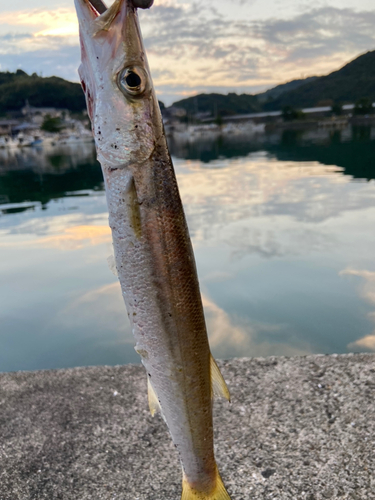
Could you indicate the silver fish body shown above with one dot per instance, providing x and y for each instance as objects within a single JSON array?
[{"x": 153, "y": 252}]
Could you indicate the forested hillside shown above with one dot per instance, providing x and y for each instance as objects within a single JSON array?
[
  {"x": 220, "y": 104},
  {"x": 55, "y": 92},
  {"x": 350, "y": 83},
  {"x": 347, "y": 85}
]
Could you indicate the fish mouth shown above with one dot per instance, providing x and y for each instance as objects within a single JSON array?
[
  {"x": 96, "y": 11},
  {"x": 113, "y": 59},
  {"x": 110, "y": 37}
]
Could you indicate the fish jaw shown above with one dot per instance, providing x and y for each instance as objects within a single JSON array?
[{"x": 126, "y": 121}]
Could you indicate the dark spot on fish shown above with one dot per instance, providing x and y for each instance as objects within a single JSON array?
[
  {"x": 149, "y": 374},
  {"x": 117, "y": 129},
  {"x": 136, "y": 126},
  {"x": 97, "y": 57},
  {"x": 170, "y": 315}
]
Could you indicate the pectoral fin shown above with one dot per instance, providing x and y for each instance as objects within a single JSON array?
[
  {"x": 218, "y": 386},
  {"x": 153, "y": 401},
  {"x": 112, "y": 265}
]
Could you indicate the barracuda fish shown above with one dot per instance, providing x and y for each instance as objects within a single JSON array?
[{"x": 153, "y": 253}]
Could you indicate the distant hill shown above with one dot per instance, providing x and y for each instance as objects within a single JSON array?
[
  {"x": 352, "y": 82},
  {"x": 55, "y": 92},
  {"x": 232, "y": 104},
  {"x": 355, "y": 80},
  {"x": 220, "y": 104},
  {"x": 277, "y": 91}
]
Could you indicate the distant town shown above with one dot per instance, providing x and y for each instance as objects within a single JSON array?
[{"x": 37, "y": 111}]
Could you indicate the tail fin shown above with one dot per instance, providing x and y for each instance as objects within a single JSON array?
[{"x": 218, "y": 493}]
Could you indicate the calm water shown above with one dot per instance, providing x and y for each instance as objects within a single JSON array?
[{"x": 283, "y": 232}]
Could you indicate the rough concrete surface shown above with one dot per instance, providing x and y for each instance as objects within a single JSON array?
[{"x": 297, "y": 428}]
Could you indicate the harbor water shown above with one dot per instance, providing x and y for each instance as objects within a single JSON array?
[{"x": 283, "y": 232}]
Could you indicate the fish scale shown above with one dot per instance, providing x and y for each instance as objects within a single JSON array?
[{"x": 153, "y": 252}]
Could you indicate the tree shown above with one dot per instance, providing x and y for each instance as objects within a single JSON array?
[
  {"x": 219, "y": 120},
  {"x": 363, "y": 106},
  {"x": 51, "y": 124},
  {"x": 336, "y": 109},
  {"x": 289, "y": 113}
]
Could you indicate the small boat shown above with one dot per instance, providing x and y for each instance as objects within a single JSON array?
[{"x": 8, "y": 142}]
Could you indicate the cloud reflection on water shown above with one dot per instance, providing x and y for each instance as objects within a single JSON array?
[
  {"x": 270, "y": 237},
  {"x": 70, "y": 238},
  {"x": 367, "y": 291},
  {"x": 231, "y": 337}
]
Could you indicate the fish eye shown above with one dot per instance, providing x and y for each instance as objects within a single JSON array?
[{"x": 132, "y": 81}]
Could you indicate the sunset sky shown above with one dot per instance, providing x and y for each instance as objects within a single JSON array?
[{"x": 201, "y": 46}]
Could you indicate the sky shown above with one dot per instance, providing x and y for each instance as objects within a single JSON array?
[{"x": 197, "y": 46}]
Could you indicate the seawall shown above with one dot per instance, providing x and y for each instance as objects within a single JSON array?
[{"x": 297, "y": 428}]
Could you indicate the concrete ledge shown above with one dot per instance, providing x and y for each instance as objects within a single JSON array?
[{"x": 298, "y": 428}]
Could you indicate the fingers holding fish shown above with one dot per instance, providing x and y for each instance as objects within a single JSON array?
[
  {"x": 138, "y": 4},
  {"x": 142, "y": 4}
]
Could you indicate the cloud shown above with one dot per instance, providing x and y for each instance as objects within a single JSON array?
[
  {"x": 70, "y": 238},
  {"x": 76, "y": 237},
  {"x": 103, "y": 308},
  {"x": 368, "y": 288},
  {"x": 209, "y": 51},
  {"x": 61, "y": 22},
  {"x": 33, "y": 56},
  {"x": 367, "y": 291},
  {"x": 323, "y": 32},
  {"x": 194, "y": 47},
  {"x": 234, "y": 337},
  {"x": 366, "y": 343}
]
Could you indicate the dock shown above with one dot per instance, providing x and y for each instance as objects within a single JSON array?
[{"x": 299, "y": 428}]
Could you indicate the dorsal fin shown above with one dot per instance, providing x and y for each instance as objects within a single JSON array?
[{"x": 218, "y": 386}]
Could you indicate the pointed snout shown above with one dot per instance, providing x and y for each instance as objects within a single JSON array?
[{"x": 85, "y": 11}]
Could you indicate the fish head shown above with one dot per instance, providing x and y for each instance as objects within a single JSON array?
[{"x": 115, "y": 77}]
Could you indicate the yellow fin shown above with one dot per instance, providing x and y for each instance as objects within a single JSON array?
[
  {"x": 153, "y": 401},
  {"x": 218, "y": 386},
  {"x": 218, "y": 493}
]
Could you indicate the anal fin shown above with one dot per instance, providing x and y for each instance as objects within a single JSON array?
[
  {"x": 153, "y": 401},
  {"x": 218, "y": 386}
]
